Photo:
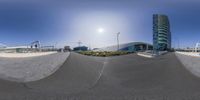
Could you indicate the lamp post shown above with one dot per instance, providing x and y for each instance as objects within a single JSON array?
[
  {"x": 197, "y": 46},
  {"x": 118, "y": 41}
]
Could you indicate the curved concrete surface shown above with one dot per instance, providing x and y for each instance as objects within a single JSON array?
[
  {"x": 23, "y": 55},
  {"x": 78, "y": 73},
  {"x": 127, "y": 77},
  {"x": 192, "y": 54},
  {"x": 25, "y": 69},
  {"x": 192, "y": 63},
  {"x": 144, "y": 54}
]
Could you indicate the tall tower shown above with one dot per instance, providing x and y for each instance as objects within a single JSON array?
[{"x": 161, "y": 33}]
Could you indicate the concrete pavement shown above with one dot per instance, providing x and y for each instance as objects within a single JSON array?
[
  {"x": 191, "y": 61},
  {"x": 33, "y": 68},
  {"x": 127, "y": 77}
]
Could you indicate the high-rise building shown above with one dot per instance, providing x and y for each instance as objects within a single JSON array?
[{"x": 161, "y": 33}]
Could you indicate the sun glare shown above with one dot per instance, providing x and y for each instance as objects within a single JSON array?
[{"x": 100, "y": 30}]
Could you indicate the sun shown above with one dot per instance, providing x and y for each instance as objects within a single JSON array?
[{"x": 100, "y": 30}]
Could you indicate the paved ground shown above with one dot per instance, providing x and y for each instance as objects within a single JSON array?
[
  {"x": 26, "y": 69},
  {"x": 25, "y": 55},
  {"x": 190, "y": 61},
  {"x": 127, "y": 77}
]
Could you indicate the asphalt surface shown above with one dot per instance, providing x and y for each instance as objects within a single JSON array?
[{"x": 128, "y": 77}]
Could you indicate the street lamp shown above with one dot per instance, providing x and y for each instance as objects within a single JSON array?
[
  {"x": 118, "y": 41},
  {"x": 197, "y": 46}
]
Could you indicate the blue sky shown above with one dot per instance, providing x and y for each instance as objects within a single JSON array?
[{"x": 65, "y": 22}]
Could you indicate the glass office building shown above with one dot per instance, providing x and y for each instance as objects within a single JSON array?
[
  {"x": 128, "y": 47},
  {"x": 161, "y": 33}
]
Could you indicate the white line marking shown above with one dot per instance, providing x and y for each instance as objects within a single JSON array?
[{"x": 100, "y": 73}]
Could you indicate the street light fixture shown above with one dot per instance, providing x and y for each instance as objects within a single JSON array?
[{"x": 118, "y": 41}]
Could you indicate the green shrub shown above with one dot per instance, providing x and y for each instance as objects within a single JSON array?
[{"x": 103, "y": 53}]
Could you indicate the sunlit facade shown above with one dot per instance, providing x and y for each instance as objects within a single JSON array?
[{"x": 128, "y": 47}]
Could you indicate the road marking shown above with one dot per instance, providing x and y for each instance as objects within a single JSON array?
[{"x": 100, "y": 73}]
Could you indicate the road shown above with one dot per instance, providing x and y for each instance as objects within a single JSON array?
[{"x": 127, "y": 77}]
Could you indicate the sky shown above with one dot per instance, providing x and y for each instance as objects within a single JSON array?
[{"x": 65, "y": 22}]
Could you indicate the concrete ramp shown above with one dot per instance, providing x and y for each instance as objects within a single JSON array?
[
  {"x": 25, "y": 55},
  {"x": 110, "y": 78},
  {"x": 190, "y": 61},
  {"x": 25, "y": 69},
  {"x": 78, "y": 73}
]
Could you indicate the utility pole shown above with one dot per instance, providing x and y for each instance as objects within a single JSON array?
[
  {"x": 55, "y": 45},
  {"x": 79, "y": 43},
  {"x": 178, "y": 44},
  {"x": 197, "y": 46},
  {"x": 118, "y": 41}
]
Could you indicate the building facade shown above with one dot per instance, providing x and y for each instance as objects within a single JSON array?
[
  {"x": 80, "y": 48},
  {"x": 161, "y": 33},
  {"x": 128, "y": 47}
]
